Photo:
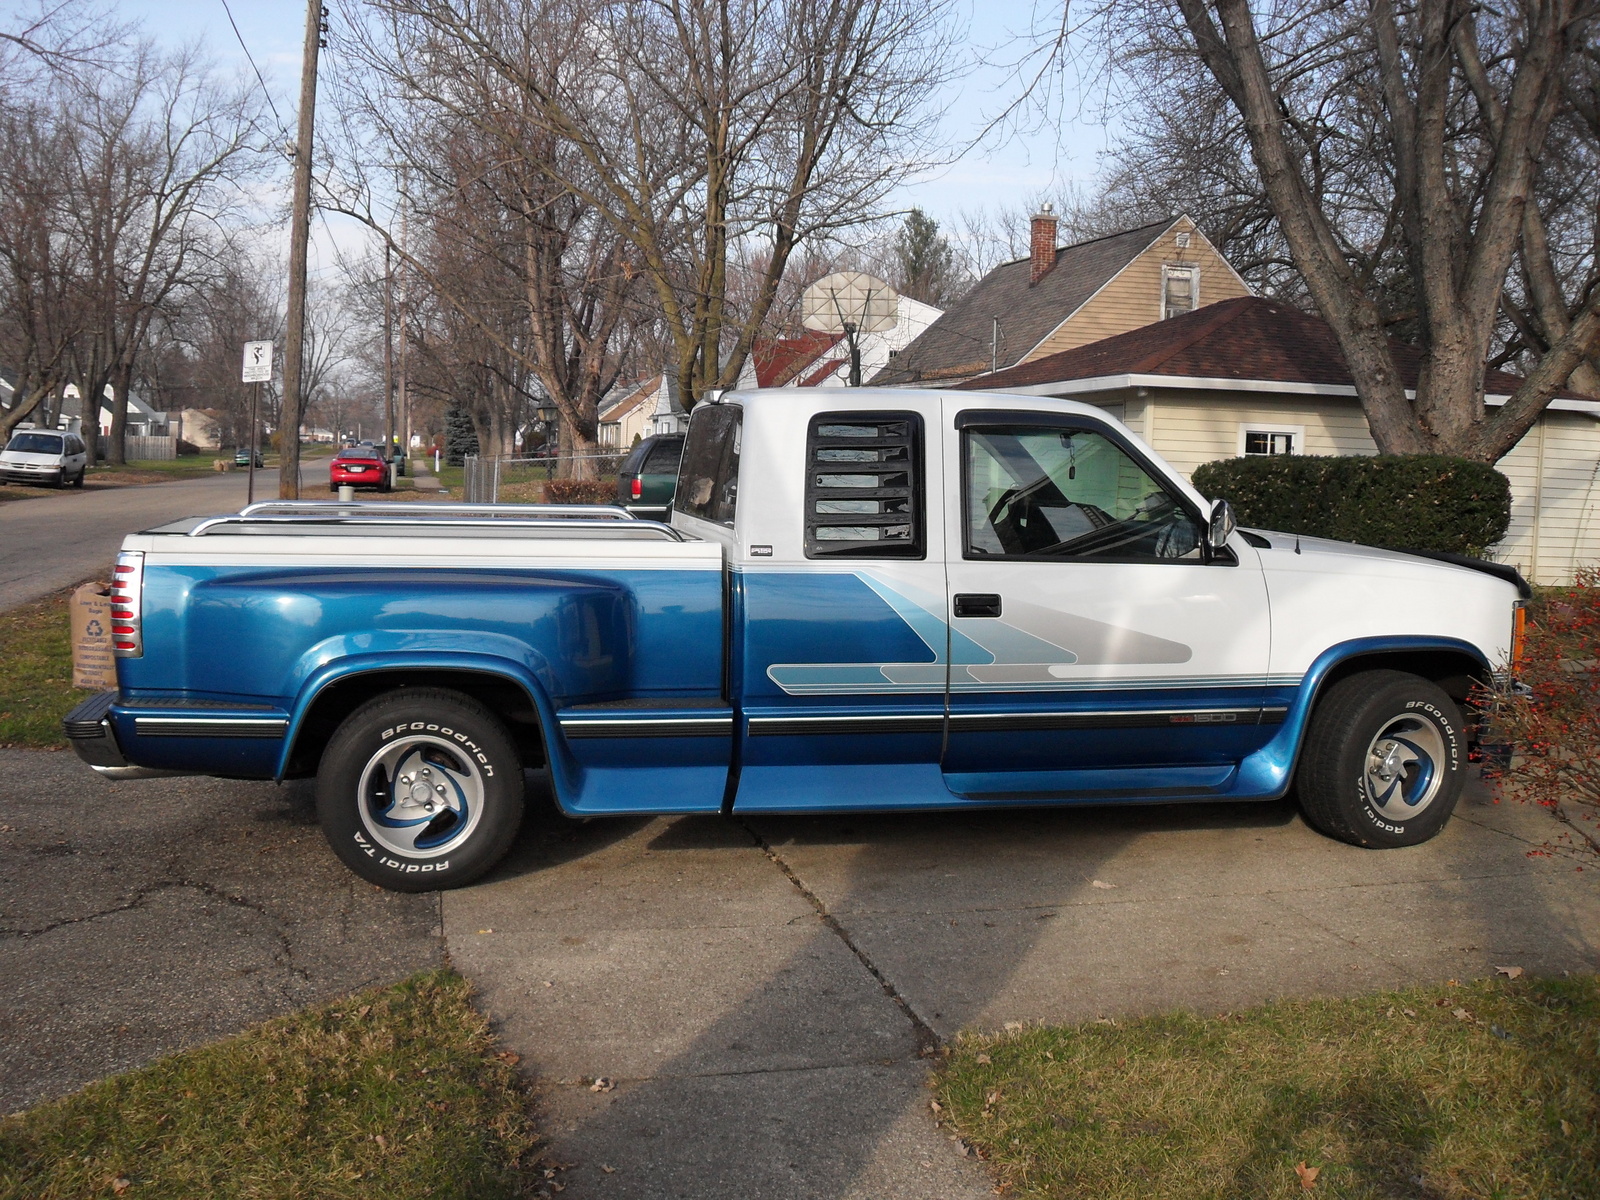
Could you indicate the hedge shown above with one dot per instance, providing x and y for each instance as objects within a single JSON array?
[
  {"x": 1398, "y": 501},
  {"x": 580, "y": 491}
]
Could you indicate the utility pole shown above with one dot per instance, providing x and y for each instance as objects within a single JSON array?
[
  {"x": 299, "y": 235},
  {"x": 388, "y": 361}
]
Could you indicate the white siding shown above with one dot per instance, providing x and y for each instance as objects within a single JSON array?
[{"x": 1188, "y": 428}]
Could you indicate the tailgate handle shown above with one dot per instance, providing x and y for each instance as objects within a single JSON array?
[{"x": 977, "y": 604}]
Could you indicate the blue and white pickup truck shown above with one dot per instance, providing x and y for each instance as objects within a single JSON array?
[{"x": 864, "y": 599}]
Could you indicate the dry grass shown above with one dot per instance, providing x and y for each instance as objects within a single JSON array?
[
  {"x": 392, "y": 1092},
  {"x": 1484, "y": 1090}
]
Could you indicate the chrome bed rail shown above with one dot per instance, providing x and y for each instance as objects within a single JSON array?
[{"x": 580, "y": 520}]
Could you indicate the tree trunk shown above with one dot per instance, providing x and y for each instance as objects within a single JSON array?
[{"x": 121, "y": 381}]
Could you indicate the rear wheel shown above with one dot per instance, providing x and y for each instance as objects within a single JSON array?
[
  {"x": 420, "y": 789},
  {"x": 78, "y": 482},
  {"x": 1384, "y": 760}
]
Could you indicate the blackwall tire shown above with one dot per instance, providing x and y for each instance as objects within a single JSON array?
[
  {"x": 1384, "y": 761},
  {"x": 420, "y": 790}
]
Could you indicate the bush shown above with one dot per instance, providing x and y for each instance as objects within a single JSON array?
[
  {"x": 1551, "y": 714},
  {"x": 579, "y": 491},
  {"x": 1401, "y": 502}
]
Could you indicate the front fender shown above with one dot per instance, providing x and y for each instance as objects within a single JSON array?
[{"x": 1268, "y": 772}]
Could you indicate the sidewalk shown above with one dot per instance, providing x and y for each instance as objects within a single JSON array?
[{"x": 759, "y": 991}]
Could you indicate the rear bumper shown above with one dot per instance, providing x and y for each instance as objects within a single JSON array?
[{"x": 88, "y": 728}]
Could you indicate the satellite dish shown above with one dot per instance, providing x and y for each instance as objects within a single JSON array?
[{"x": 849, "y": 299}]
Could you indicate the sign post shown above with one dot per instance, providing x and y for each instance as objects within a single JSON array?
[{"x": 257, "y": 370}]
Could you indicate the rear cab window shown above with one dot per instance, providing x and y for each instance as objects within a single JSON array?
[
  {"x": 708, "y": 478},
  {"x": 864, "y": 490}
]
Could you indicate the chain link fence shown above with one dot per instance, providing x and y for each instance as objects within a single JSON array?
[{"x": 496, "y": 479}]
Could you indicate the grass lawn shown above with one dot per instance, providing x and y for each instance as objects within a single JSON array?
[
  {"x": 154, "y": 470},
  {"x": 392, "y": 1092},
  {"x": 36, "y": 672},
  {"x": 1482, "y": 1090},
  {"x": 18, "y": 491}
]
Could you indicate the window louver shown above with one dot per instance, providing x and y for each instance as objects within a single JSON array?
[{"x": 864, "y": 486}]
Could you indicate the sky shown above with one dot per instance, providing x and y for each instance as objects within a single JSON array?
[{"x": 997, "y": 172}]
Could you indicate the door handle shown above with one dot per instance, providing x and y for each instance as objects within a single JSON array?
[{"x": 977, "y": 604}]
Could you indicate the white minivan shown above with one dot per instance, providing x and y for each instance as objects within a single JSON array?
[{"x": 44, "y": 456}]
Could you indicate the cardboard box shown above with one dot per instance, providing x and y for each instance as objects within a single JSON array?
[{"x": 93, "y": 664}]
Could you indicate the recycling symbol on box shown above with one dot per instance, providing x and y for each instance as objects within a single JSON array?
[{"x": 94, "y": 628}]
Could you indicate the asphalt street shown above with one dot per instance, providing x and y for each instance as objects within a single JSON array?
[{"x": 62, "y": 538}]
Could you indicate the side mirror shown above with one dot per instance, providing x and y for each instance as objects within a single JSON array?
[{"x": 1220, "y": 526}]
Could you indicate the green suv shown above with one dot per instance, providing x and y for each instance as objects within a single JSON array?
[{"x": 649, "y": 476}]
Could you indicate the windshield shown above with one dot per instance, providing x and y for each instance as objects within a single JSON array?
[{"x": 36, "y": 443}]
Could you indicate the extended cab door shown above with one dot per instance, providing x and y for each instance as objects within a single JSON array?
[
  {"x": 839, "y": 594},
  {"x": 1097, "y": 648}
]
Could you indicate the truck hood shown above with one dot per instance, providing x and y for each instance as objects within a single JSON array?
[{"x": 1349, "y": 556}]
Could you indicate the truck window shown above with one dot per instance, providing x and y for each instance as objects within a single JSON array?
[
  {"x": 708, "y": 479},
  {"x": 1054, "y": 492},
  {"x": 864, "y": 486}
]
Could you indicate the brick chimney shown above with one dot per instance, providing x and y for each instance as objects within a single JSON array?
[{"x": 1042, "y": 243}]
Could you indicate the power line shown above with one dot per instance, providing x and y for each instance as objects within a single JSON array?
[{"x": 264, "y": 91}]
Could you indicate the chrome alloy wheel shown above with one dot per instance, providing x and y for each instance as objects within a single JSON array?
[
  {"x": 420, "y": 796},
  {"x": 1404, "y": 767}
]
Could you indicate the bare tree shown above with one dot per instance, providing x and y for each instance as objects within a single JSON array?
[
  {"x": 1397, "y": 151},
  {"x": 697, "y": 127}
]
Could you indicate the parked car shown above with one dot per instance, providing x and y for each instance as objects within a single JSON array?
[
  {"x": 649, "y": 476},
  {"x": 358, "y": 466},
  {"x": 241, "y": 457},
  {"x": 865, "y": 600},
  {"x": 44, "y": 456}
]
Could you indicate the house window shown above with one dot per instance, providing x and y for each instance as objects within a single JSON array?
[
  {"x": 1180, "y": 290},
  {"x": 1271, "y": 439}
]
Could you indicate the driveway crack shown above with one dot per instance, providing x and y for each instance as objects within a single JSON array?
[{"x": 927, "y": 1040}]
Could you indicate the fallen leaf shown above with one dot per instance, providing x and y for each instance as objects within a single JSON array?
[
  {"x": 1452, "y": 983},
  {"x": 1410, "y": 1012},
  {"x": 602, "y": 1084},
  {"x": 363, "y": 1010},
  {"x": 383, "y": 1142},
  {"x": 608, "y": 1170},
  {"x": 1566, "y": 1128},
  {"x": 485, "y": 931},
  {"x": 1461, "y": 1014},
  {"x": 121, "y": 1184},
  {"x": 1440, "y": 1002},
  {"x": 1013, "y": 1026},
  {"x": 936, "y": 1106},
  {"x": 1509, "y": 972},
  {"x": 1101, "y": 883},
  {"x": 963, "y": 1149},
  {"x": 1308, "y": 1175},
  {"x": 984, "y": 1060},
  {"x": 509, "y": 1057}
]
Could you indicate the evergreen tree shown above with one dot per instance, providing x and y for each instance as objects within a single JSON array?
[
  {"x": 925, "y": 262},
  {"x": 460, "y": 437}
]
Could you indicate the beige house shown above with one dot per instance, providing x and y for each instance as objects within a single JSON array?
[
  {"x": 1258, "y": 376},
  {"x": 628, "y": 412},
  {"x": 1061, "y": 298}
]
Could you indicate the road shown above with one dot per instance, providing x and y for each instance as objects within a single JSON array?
[{"x": 65, "y": 537}]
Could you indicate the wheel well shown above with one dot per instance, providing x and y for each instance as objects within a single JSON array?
[
  {"x": 505, "y": 698},
  {"x": 1454, "y": 672}
]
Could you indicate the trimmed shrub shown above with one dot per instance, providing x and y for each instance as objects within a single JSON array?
[
  {"x": 1397, "y": 501},
  {"x": 579, "y": 491}
]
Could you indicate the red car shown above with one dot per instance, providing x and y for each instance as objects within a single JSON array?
[{"x": 358, "y": 466}]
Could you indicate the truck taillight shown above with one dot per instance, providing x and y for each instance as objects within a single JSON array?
[
  {"x": 127, "y": 604},
  {"x": 1519, "y": 633},
  {"x": 638, "y": 488}
]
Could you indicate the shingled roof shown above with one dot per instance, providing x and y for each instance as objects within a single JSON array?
[
  {"x": 1248, "y": 338},
  {"x": 959, "y": 343}
]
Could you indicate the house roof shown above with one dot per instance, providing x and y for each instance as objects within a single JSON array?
[
  {"x": 633, "y": 395},
  {"x": 779, "y": 360},
  {"x": 1250, "y": 338},
  {"x": 960, "y": 342}
]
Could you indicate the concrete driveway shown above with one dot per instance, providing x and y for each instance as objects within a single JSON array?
[
  {"x": 761, "y": 992},
  {"x": 759, "y": 995},
  {"x": 62, "y": 538}
]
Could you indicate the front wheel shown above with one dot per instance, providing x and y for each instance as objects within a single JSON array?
[
  {"x": 1384, "y": 760},
  {"x": 419, "y": 790}
]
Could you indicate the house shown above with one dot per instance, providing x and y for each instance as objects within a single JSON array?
[
  {"x": 816, "y": 359},
  {"x": 1059, "y": 298},
  {"x": 647, "y": 407},
  {"x": 1258, "y": 376},
  {"x": 626, "y": 412}
]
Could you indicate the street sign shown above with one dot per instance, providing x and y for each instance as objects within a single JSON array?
[{"x": 258, "y": 362}]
